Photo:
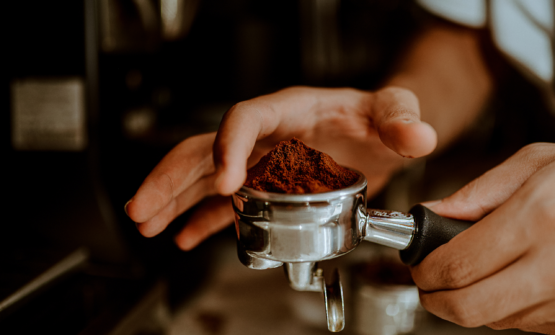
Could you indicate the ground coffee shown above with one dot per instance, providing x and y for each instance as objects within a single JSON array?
[{"x": 293, "y": 167}]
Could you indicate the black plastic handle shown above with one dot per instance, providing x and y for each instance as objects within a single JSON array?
[{"x": 431, "y": 231}]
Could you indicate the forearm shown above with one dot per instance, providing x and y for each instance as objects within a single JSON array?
[{"x": 445, "y": 69}]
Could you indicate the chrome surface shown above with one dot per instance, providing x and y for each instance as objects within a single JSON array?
[
  {"x": 298, "y": 230},
  {"x": 335, "y": 307},
  {"x": 307, "y": 277},
  {"x": 255, "y": 263},
  {"x": 304, "y": 276},
  {"x": 389, "y": 228},
  {"x": 294, "y": 228}
]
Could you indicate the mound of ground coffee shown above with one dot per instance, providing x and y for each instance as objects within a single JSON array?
[{"x": 293, "y": 167}]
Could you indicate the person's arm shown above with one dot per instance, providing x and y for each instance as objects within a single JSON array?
[
  {"x": 441, "y": 77},
  {"x": 444, "y": 67}
]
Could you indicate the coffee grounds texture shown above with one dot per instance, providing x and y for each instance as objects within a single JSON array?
[{"x": 293, "y": 167}]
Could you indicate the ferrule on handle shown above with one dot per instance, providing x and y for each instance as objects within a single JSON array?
[{"x": 390, "y": 228}]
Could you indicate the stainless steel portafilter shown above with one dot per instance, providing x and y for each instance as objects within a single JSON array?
[{"x": 298, "y": 230}]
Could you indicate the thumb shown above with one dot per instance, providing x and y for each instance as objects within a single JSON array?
[
  {"x": 396, "y": 117},
  {"x": 484, "y": 194}
]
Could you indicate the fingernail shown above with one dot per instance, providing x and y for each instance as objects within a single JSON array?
[
  {"x": 407, "y": 121},
  {"x": 432, "y": 203},
  {"x": 125, "y": 207}
]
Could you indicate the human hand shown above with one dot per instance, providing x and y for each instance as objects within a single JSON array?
[
  {"x": 368, "y": 131},
  {"x": 501, "y": 271}
]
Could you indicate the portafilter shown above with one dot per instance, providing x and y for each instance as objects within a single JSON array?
[{"x": 298, "y": 230}]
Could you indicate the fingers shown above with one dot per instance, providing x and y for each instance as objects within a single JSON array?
[
  {"x": 499, "y": 270},
  {"x": 299, "y": 111},
  {"x": 212, "y": 216},
  {"x": 396, "y": 117},
  {"x": 500, "y": 266},
  {"x": 177, "y": 206},
  {"x": 491, "y": 299},
  {"x": 182, "y": 167},
  {"x": 494, "y": 242},
  {"x": 476, "y": 253},
  {"x": 489, "y": 191}
]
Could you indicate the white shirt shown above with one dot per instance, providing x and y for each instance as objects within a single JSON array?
[{"x": 521, "y": 29}]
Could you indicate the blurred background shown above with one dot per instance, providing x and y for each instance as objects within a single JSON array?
[{"x": 95, "y": 92}]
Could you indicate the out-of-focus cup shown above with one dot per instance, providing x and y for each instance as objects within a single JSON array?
[{"x": 385, "y": 299}]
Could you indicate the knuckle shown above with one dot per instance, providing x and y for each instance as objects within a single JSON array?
[
  {"x": 529, "y": 149},
  {"x": 535, "y": 148},
  {"x": 466, "y": 193},
  {"x": 233, "y": 109},
  {"x": 470, "y": 198},
  {"x": 457, "y": 273},
  {"x": 397, "y": 102},
  {"x": 463, "y": 318},
  {"x": 255, "y": 110},
  {"x": 398, "y": 113},
  {"x": 245, "y": 106},
  {"x": 238, "y": 107},
  {"x": 537, "y": 154},
  {"x": 459, "y": 312}
]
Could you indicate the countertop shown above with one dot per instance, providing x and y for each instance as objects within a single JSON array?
[{"x": 237, "y": 300}]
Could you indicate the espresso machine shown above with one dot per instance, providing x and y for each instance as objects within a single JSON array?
[{"x": 297, "y": 231}]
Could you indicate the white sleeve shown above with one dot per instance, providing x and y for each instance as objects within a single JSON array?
[
  {"x": 521, "y": 29},
  {"x": 470, "y": 13}
]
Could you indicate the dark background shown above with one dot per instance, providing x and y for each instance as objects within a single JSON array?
[{"x": 59, "y": 201}]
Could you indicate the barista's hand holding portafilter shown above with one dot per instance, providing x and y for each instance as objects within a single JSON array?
[{"x": 294, "y": 168}]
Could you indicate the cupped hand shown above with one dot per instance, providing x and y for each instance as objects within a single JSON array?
[
  {"x": 369, "y": 131},
  {"x": 501, "y": 271}
]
